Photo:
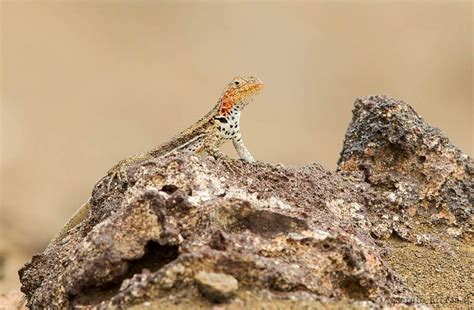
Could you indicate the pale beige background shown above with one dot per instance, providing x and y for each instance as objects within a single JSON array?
[{"x": 86, "y": 83}]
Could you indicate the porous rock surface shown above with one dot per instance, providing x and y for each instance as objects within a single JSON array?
[
  {"x": 284, "y": 233},
  {"x": 412, "y": 165},
  {"x": 290, "y": 231}
]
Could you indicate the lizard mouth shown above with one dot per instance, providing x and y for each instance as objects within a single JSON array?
[{"x": 252, "y": 89}]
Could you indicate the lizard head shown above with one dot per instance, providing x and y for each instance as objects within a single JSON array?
[{"x": 239, "y": 92}]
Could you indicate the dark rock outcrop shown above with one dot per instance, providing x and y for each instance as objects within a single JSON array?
[
  {"x": 301, "y": 234},
  {"x": 412, "y": 165}
]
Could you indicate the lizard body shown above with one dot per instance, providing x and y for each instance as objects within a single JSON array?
[{"x": 219, "y": 125}]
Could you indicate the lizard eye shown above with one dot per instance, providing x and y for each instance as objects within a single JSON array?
[{"x": 237, "y": 83}]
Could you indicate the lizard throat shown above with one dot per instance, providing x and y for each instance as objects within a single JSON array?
[{"x": 227, "y": 105}]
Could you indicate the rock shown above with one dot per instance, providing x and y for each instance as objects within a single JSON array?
[
  {"x": 454, "y": 232},
  {"x": 433, "y": 242},
  {"x": 299, "y": 234},
  {"x": 409, "y": 162},
  {"x": 216, "y": 286},
  {"x": 264, "y": 225}
]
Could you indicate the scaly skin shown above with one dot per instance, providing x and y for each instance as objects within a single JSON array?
[{"x": 221, "y": 124}]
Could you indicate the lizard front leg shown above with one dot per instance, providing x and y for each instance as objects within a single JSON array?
[{"x": 241, "y": 149}]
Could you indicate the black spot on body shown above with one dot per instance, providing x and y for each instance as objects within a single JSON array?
[{"x": 221, "y": 119}]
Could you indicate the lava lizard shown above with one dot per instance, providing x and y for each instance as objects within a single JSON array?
[{"x": 222, "y": 123}]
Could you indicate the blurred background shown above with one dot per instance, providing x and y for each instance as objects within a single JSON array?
[{"x": 87, "y": 83}]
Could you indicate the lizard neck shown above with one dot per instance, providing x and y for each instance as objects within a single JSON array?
[{"x": 229, "y": 103}]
